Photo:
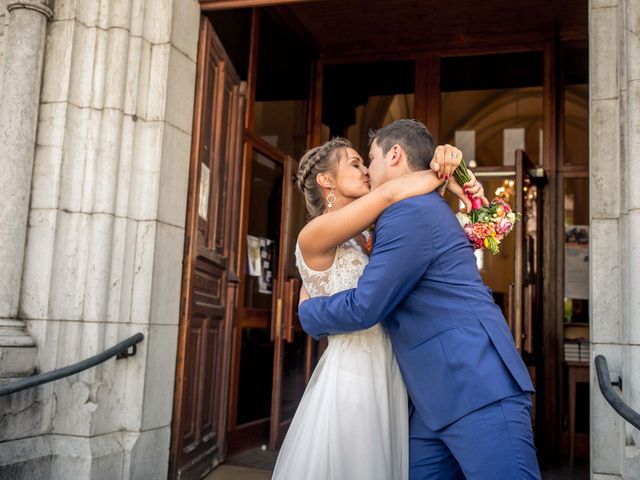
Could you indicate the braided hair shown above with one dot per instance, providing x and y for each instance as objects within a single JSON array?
[{"x": 318, "y": 160}]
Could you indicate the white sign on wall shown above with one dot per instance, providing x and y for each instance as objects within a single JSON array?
[
  {"x": 513, "y": 139},
  {"x": 465, "y": 140}
]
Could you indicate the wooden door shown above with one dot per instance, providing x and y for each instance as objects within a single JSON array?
[
  {"x": 209, "y": 273},
  {"x": 272, "y": 356},
  {"x": 527, "y": 291},
  {"x": 291, "y": 345}
]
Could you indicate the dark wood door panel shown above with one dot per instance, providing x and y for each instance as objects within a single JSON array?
[{"x": 208, "y": 291}]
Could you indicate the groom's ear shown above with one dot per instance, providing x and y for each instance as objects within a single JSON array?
[{"x": 394, "y": 154}]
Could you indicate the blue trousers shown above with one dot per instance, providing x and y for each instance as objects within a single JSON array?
[{"x": 494, "y": 442}]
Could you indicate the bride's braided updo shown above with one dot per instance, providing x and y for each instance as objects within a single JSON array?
[{"x": 318, "y": 160}]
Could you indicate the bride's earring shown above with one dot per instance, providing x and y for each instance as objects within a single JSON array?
[{"x": 331, "y": 198}]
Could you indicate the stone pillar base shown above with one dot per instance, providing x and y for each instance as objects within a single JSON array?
[
  {"x": 23, "y": 414},
  {"x": 17, "y": 350},
  {"x": 113, "y": 456}
]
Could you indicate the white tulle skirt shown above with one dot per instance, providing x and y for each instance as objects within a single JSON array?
[{"x": 352, "y": 422}]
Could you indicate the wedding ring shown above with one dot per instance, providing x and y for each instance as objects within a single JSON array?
[{"x": 454, "y": 154}]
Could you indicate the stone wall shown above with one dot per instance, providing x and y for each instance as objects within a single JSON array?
[
  {"x": 614, "y": 29},
  {"x": 3, "y": 17},
  {"x": 105, "y": 237}
]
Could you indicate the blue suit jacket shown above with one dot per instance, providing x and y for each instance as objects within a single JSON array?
[{"x": 452, "y": 343}]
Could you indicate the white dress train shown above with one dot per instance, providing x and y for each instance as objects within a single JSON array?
[{"x": 352, "y": 421}]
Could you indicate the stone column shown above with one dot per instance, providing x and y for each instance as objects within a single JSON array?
[
  {"x": 19, "y": 101},
  {"x": 614, "y": 37},
  {"x": 631, "y": 121}
]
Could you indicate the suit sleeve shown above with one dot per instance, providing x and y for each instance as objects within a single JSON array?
[{"x": 401, "y": 254}]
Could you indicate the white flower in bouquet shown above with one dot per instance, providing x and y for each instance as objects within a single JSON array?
[{"x": 463, "y": 219}]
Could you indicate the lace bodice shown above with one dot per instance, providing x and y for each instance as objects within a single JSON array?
[{"x": 343, "y": 274}]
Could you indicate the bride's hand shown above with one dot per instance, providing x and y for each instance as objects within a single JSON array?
[
  {"x": 304, "y": 295},
  {"x": 475, "y": 189},
  {"x": 472, "y": 188},
  {"x": 445, "y": 160},
  {"x": 457, "y": 190}
]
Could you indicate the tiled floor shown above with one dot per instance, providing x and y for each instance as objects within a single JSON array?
[
  {"x": 579, "y": 472},
  {"x": 251, "y": 465},
  {"x": 258, "y": 464},
  {"x": 232, "y": 472}
]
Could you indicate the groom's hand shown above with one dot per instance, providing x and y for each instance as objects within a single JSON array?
[{"x": 445, "y": 160}]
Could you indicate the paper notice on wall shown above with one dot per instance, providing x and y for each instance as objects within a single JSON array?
[
  {"x": 576, "y": 262},
  {"x": 203, "y": 197}
]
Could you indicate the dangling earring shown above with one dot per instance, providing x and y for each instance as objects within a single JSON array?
[{"x": 331, "y": 198}]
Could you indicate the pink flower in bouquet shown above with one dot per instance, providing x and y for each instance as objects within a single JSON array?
[
  {"x": 475, "y": 240},
  {"x": 504, "y": 226},
  {"x": 504, "y": 204},
  {"x": 483, "y": 230}
]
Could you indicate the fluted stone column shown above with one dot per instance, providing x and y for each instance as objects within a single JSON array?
[
  {"x": 614, "y": 44},
  {"x": 19, "y": 101}
]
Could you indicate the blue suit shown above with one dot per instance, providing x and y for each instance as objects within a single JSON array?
[{"x": 465, "y": 379}]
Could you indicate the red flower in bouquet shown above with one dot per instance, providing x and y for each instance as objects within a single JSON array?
[{"x": 369, "y": 245}]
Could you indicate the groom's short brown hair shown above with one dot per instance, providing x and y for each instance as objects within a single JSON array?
[{"x": 411, "y": 135}]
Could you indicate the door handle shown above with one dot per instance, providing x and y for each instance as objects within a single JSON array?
[
  {"x": 278, "y": 319},
  {"x": 528, "y": 317},
  {"x": 276, "y": 312},
  {"x": 510, "y": 306}
]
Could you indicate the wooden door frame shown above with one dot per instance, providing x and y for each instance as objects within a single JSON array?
[
  {"x": 188, "y": 259},
  {"x": 230, "y": 185},
  {"x": 252, "y": 142},
  {"x": 562, "y": 172},
  {"x": 284, "y": 308},
  {"x": 213, "y": 5}
]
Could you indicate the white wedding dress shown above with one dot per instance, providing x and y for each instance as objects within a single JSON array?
[{"x": 352, "y": 422}]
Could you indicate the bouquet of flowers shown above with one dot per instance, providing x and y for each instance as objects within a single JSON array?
[{"x": 485, "y": 226}]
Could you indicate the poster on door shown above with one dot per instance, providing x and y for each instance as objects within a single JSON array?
[
  {"x": 253, "y": 254},
  {"x": 576, "y": 262},
  {"x": 265, "y": 280}
]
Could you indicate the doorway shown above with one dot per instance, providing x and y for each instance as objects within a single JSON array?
[{"x": 307, "y": 80}]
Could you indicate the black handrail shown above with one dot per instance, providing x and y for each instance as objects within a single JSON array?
[
  {"x": 624, "y": 410},
  {"x": 120, "y": 349}
]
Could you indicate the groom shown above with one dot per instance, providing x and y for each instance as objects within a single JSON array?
[{"x": 470, "y": 392}]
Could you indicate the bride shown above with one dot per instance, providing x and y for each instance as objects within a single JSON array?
[{"x": 352, "y": 422}]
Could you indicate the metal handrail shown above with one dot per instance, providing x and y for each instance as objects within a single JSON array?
[
  {"x": 121, "y": 350},
  {"x": 624, "y": 410}
]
